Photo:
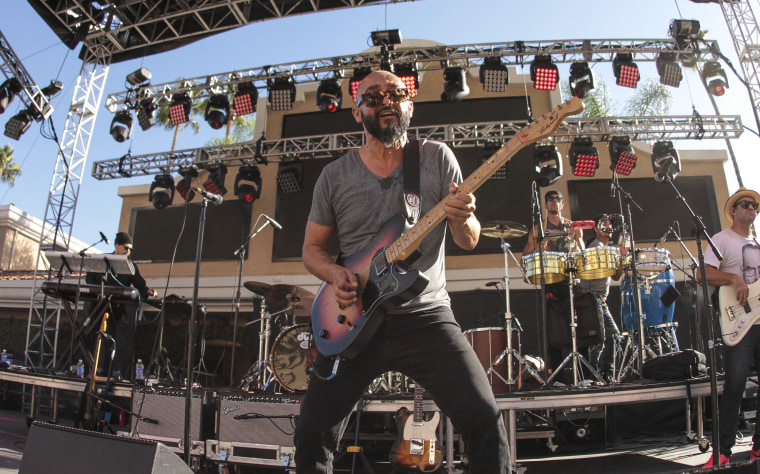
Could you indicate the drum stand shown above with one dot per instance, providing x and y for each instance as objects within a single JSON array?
[
  {"x": 510, "y": 351},
  {"x": 576, "y": 357},
  {"x": 259, "y": 375}
]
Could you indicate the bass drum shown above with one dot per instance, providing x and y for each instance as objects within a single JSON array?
[{"x": 292, "y": 354}]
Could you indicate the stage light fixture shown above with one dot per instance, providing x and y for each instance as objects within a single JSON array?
[
  {"x": 146, "y": 113},
  {"x": 359, "y": 74},
  {"x": 8, "y": 90},
  {"x": 408, "y": 74},
  {"x": 544, "y": 73},
  {"x": 185, "y": 185},
  {"x": 217, "y": 111},
  {"x": 584, "y": 157},
  {"x": 668, "y": 69},
  {"x": 290, "y": 177},
  {"x": 121, "y": 126},
  {"x": 138, "y": 77},
  {"x": 494, "y": 75},
  {"x": 714, "y": 78},
  {"x": 622, "y": 156},
  {"x": 248, "y": 183},
  {"x": 18, "y": 124},
  {"x": 681, "y": 30},
  {"x": 215, "y": 181},
  {"x": 161, "y": 191},
  {"x": 664, "y": 150},
  {"x": 52, "y": 89},
  {"x": 455, "y": 87},
  {"x": 385, "y": 37},
  {"x": 282, "y": 93},
  {"x": 581, "y": 79},
  {"x": 626, "y": 71},
  {"x": 179, "y": 109},
  {"x": 548, "y": 165},
  {"x": 245, "y": 99},
  {"x": 329, "y": 95}
]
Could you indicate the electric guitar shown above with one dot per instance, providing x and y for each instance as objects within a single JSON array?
[
  {"x": 384, "y": 280},
  {"x": 416, "y": 448},
  {"x": 735, "y": 319}
]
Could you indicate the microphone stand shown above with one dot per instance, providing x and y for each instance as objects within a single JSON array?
[
  {"x": 699, "y": 226},
  {"x": 542, "y": 280},
  {"x": 240, "y": 252}
]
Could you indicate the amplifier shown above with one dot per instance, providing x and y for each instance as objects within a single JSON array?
[
  {"x": 255, "y": 429},
  {"x": 165, "y": 407}
]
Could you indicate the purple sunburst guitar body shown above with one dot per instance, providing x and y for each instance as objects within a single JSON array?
[{"x": 383, "y": 280}]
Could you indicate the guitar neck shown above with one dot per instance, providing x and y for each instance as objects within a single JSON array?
[{"x": 418, "y": 394}]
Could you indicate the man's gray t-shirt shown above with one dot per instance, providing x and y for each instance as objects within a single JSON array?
[{"x": 357, "y": 203}]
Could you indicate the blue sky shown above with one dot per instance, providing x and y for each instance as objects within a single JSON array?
[{"x": 321, "y": 35}]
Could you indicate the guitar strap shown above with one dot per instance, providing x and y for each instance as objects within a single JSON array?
[{"x": 412, "y": 180}]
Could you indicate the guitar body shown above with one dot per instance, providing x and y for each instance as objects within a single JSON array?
[
  {"x": 736, "y": 320},
  {"x": 384, "y": 286},
  {"x": 416, "y": 447}
]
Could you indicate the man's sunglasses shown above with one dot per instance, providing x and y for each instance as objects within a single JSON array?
[
  {"x": 747, "y": 204},
  {"x": 553, "y": 198},
  {"x": 374, "y": 99}
]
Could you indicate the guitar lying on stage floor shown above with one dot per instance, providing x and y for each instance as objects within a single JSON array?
[
  {"x": 735, "y": 319},
  {"x": 384, "y": 281},
  {"x": 416, "y": 448}
]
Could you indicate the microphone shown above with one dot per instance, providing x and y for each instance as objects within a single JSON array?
[
  {"x": 582, "y": 224},
  {"x": 665, "y": 235},
  {"x": 103, "y": 236},
  {"x": 493, "y": 283},
  {"x": 215, "y": 198},
  {"x": 663, "y": 169},
  {"x": 273, "y": 222}
]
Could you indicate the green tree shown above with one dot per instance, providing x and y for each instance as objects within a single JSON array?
[
  {"x": 240, "y": 129},
  {"x": 651, "y": 98},
  {"x": 9, "y": 169}
]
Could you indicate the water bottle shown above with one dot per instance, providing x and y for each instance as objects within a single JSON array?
[
  {"x": 80, "y": 369},
  {"x": 139, "y": 372}
]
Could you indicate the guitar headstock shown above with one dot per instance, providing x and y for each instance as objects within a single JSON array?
[{"x": 549, "y": 123}]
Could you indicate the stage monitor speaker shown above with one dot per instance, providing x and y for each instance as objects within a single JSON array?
[
  {"x": 166, "y": 407},
  {"x": 51, "y": 448}
]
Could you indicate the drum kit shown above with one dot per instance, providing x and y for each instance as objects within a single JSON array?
[{"x": 293, "y": 351}]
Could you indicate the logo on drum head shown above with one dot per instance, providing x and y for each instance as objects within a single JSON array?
[{"x": 304, "y": 340}]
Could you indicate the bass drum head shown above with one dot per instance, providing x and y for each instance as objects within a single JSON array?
[{"x": 291, "y": 357}]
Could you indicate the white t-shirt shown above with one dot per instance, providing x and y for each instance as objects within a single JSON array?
[{"x": 741, "y": 255}]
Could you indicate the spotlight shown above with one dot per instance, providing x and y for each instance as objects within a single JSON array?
[
  {"x": 662, "y": 151},
  {"x": 359, "y": 74},
  {"x": 290, "y": 177},
  {"x": 548, "y": 163},
  {"x": 248, "y": 183},
  {"x": 584, "y": 158},
  {"x": 217, "y": 111},
  {"x": 581, "y": 79},
  {"x": 626, "y": 71},
  {"x": 8, "y": 90},
  {"x": 18, "y": 124},
  {"x": 544, "y": 73},
  {"x": 121, "y": 126},
  {"x": 622, "y": 156},
  {"x": 494, "y": 75},
  {"x": 161, "y": 191},
  {"x": 714, "y": 78},
  {"x": 52, "y": 89},
  {"x": 138, "y": 77},
  {"x": 245, "y": 99},
  {"x": 146, "y": 113},
  {"x": 282, "y": 93},
  {"x": 329, "y": 95},
  {"x": 681, "y": 30},
  {"x": 179, "y": 109},
  {"x": 385, "y": 37},
  {"x": 408, "y": 74},
  {"x": 669, "y": 70},
  {"x": 185, "y": 185},
  {"x": 455, "y": 86},
  {"x": 215, "y": 182}
]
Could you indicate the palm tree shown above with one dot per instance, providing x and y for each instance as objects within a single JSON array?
[
  {"x": 651, "y": 98},
  {"x": 9, "y": 169}
]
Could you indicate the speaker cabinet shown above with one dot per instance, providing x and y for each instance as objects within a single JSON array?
[
  {"x": 51, "y": 448},
  {"x": 255, "y": 429},
  {"x": 165, "y": 411}
]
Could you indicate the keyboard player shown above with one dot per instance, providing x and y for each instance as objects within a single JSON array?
[{"x": 121, "y": 323}]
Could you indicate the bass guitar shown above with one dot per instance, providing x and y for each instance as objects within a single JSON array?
[
  {"x": 735, "y": 319},
  {"x": 384, "y": 280},
  {"x": 416, "y": 448}
]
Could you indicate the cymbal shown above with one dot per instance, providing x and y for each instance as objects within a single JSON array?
[
  {"x": 503, "y": 229},
  {"x": 281, "y": 296}
]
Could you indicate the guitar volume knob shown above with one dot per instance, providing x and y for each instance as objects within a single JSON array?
[
  {"x": 323, "y": 333},
  {"x": 341, "y": 319}
]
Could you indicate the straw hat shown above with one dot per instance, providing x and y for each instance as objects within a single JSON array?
[{"x": 742, "y": 192}]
